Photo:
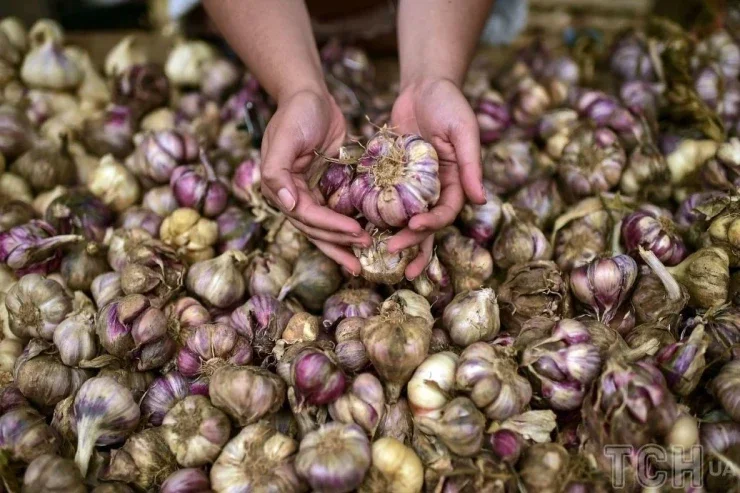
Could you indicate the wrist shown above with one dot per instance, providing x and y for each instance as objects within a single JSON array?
[
  {"x": 291, "y": 88},
  {"x": 422, "y": 81}
]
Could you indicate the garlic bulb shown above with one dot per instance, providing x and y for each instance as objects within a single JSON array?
[
  {"x": 472, "y": 316},
  {"x": 247, "y": 393},
  {"x": 75, "y": 338},
  {"x": 334, "y": 458},
  {"x": 143, "y": 461},
  {"x": 105, "y": 413},
  {"x": 395, "y": 468},
  {"x": 46, "y": 165},
  {"x": 460, "y": 426},
  {"x": 192, "y": 235},
  {"x": 363, "y": 404},
  {"x": 396, "y": 344},
  {"x": 432, "y": 384},
  {"x": 24, "y": 435},
  {"x": 259, "y": 458},
  {"x": 51, "y": 474},
  {"x": 93, "y": 89},
  {"x": 128, "y": 52},
  {"x": 378, "y": 264},
  {"x": 219, "y": 281},
  {"x": 315, "y": 277},
  {"x": 36, "y": 306},
  {"x": 114, "y": 184},
  {"x": 16, "y": 32},
  {"x": 49, "y": 66},
  {"x": 189, "y": 480},
  {"x": 195, "y": 431},
  {"x": 188, "y": 61}
]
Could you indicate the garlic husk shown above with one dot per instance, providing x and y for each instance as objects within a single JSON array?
[
  {"x": 51, "y": 473},
  {"x": 363, "y": 404},
  {"x": 188, "y": 61},
  {"x": 46, "y": 165},
  {"x": 261, "y": 320},
  {"x": 435, "y": 285},
  {"x": 209, "y": 347},
  {"x": 160, "y": 200},
  {"x": 432, "y": 384},
  {"x": 113, "y": 487},
  {"x": 36, "y": 306},
  {"x": 724, "y": 387},
  {"x": 683, "y": 363},
  {"x": 488, "y": 373},
  {"x": 706, "y": 276},
  {"x": 410, "y": 303},
  {"x": 396, "y": 344},
  {"x": 472, "y": 316},
  {"x": 266, "y": 393},
  {"x": 104, "y": 414},
  {"x": 315, "y": 277},
  {"x": 348, "y": 303},
  {"x": 195, "y": 431},
  {"x": 266, "y": 274},
  {"x": 43, "y": 378},
  {"x": 395, "y": 468},
  {"x": 378, "y": 264},
  {"x": 82, "y": 265},
  {"x": 189, "y": 480},
  {"x": 26, "y": 436},
  {"x": 114, "y": 184},
  {"x": 302, "y": 327},
  {"x": 334, "y": 458},
  {"x": 129, "y": 51},
  {"x": 470, "y": 265},
  {"x": 519, "y": 241},
  {"x": 350, "y": 351},
  {"x": 49, "y": 66},
  {"x": 219, "y": 281},
  {"x": 286, "y": 241},
  {"x": 75, "y": 338},
  {"x": 259, "y": 458},
  {"x": 143, "y": 461}
]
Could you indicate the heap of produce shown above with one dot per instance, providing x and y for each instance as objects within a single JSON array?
[{"x": 164, "y": 328}]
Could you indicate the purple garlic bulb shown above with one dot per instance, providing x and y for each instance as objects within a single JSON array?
[
  {"x": 519, "y": 241},
  {"x": 317, "y": 377},
  {"x": 237, "y": 230},
  {"x": 335, "y": 187},
  {"x": 687, "y": 214},
  {"x": 720, "y": 94},
  {"x": 363, "y": 404},
  {"x": 539, "y": 202},
  {"x": 24, "y": 435},
  {"x": 363, "y": 303},
  {"x": 507, "y": 165},
  {"x": 188, "y": 480},
  {"x": 140, "y": 217},
  {"x": 210, "y": 347},
  {"x": 261, "y": 320},
  {"x": 79, "y": 212},
  {"x": 198, "y": 187},
  {"x": 528, "y": 102},
  {"x": 161, "y": 396},
  {"x": 722, "y": 172},
  {"x": 642, "y": 98},
  {"x": 435, "y": 284},
  {"x": 34, "y": 247},
  {"x": 142, "y": 86},
  {"x": 110, "y": 132},
  {"x": 245, "y": 184},
  {"x": 159, "y": 153},
  {"x": 631, "y": 59},
  {"x": 721, "y": 49},
  {"x": 131, "y": 328},
  {"x": 15, "y": 131},
  {"x": 481, "y": 222},
  {"x": 493, "y": 116},
  {"x": 604, "y": 284},
  {"x": 605, "y": 111},
  {"x": 683, "y": 362},
  {"x": 591, "y": 163},
  {"x": 563, "y": 365},
  {"x": 652, "y": 228},
  {"x": 722, "y": 324},
  {"x": 397, "y": 178}
]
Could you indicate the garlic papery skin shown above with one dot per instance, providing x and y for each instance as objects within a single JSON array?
[
  {"x": 346, "y": 303},
  {"x": 199, "y": 187},
  {"x": 725, "y": 388},
  {"x": 489, "y": 375},
  {"x": 211, "y": 346},
  {"x": 219, "y": 281},
  {"x": 432, "y": 385},
  {"x": 159, "y": 153},
  {"x": 128, "y": 52},
  {"x": 189, "y": 480},
  {"x": 706, "y": 276},
  {"x": 493, "y": 116},
  {"x": 261, "y": 320},
  {"x": 75, "y": 338},
  {"x": 15, "y": 131},
  {"x": 481, "y": 222},
  {"x": 192, "y": 235},
  {"x": 16, "y": 32},
  {"x": 266, "y": 274},
  {"x": 519, "y": 241},
  {"x": 683, "y": 363},
  {"x": 143, "y": 461},
  {"x": 470, "y": 265},
  {"x": 259, "y": 458},
  {"x": 435, "y": 285},
  {"x": 104, "y": 414},
  {"x": 315, "y": 277},
  {"x": 378, "y": 264},
  {"x": 334, "y": 458},
  {"x": 195, "y": 431},
  {"x": 93, "y": 89},
  {"x": 316, "y": 377},
  {"x": 460, "y": 426},
  {"x": 604, "y": 284},
  {"x": 114, "y": 184},
  {"x": 363, "y": 404},
  {"x": 247, "y": 394},
  {"x": 395, "y": 468},
  {"x": 396, "y": 344},
  {"x": 410, "y": 304},
  {"x": 472, "y": 316},
  {"x": 48, "y": 66},
  {"x": 36, "y": 306},
  {"x": 46, "y": 165},
  {"x": 24, "y": 435},
  {"x": 397, "y": 178},
  {"x": 187, "y": 63},
  {"x": 51, "y": 474},
  {"x": 350, "y": 351}
]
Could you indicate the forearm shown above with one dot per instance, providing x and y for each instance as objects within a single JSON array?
[
  {"x": 437, "y": 38},
  {"x": 274, "y": 39}
]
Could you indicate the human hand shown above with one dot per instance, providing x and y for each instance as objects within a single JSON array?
[
  {"x": 437, "y": 110},
  {"x": 306, "y": 123}
]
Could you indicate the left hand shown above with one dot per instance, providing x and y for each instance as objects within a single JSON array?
[{"x": 437, "y": 110}]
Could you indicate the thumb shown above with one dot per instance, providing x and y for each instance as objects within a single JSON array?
[{"x": 277, "y": 178}]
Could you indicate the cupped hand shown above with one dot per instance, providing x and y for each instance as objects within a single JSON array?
[
  {"x": 438, "y": 111},
  {"x": 306, "y": 123}
]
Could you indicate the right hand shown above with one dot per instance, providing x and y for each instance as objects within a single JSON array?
[{"x": 305, "y": 123}]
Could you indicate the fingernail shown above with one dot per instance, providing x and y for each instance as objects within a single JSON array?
[{"x": 286, "y": 198}]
